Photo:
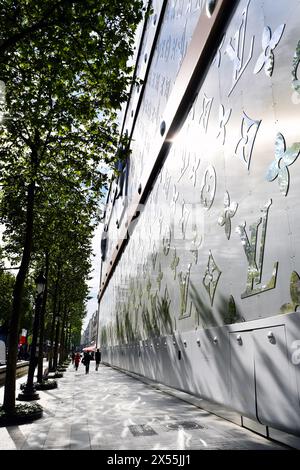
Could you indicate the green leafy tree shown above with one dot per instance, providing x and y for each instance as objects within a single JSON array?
[{"x": 65, "y": 75}]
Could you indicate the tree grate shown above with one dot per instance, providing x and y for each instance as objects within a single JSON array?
[
  {"x": 141, "y": 430},
  {"x": 183, "y": 425}
]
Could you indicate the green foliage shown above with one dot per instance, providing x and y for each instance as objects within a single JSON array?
[
  {"x": 64, "y": 66},
  {"x": 7, "y": 281}
]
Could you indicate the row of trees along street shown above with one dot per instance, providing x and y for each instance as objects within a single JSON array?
[{"x": 64, "y": 67}]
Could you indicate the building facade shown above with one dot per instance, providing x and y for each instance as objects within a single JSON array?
[{"x": 200, "y": 284}]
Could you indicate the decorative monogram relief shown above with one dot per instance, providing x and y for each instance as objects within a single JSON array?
[
  {"x": 166, "y": 185},
  {"x": 295, "y": 68},
  {"x": 160, "y": 221},
  {"x": 184, "y": 280},
  {"x": 227, "y": 214},
  {"x": 218, "y": 56},
  {"x": 223, "y": 120},
  {"x": 175, "y": 197},
  {"x": 166, "y": 241},
  {"x": 145, "y": 269},
  {"x": 211, "y": 277},
  {"x": 185, "y": 213},
  {"x": 245, "y": 145},
  {"x": 206, "y": 107},
  {"x": 159, "y": 277},
  {"x": 208, "y": 187},
  {"x": 269, "y": 42},
  {"x": 185, "y": 161},
  {"x": 174, "y": 264},
  {"x": 283, "y": 158},
  {"x": 155, "y": 194},
  {"x": 255, "y": 266},
  {"x": 148, "y": 286},
  {"x": 154, "y": 256},
  {"x": 196, "y": 242},
  {"x": 195, "y": 166},
  {"x": 236, "y": 50},
  {"x": 140, "y": 294},
  {"x": 295, "y": 295}
]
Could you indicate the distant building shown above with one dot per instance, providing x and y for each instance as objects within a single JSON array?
[{"x": 90, "y": 333}]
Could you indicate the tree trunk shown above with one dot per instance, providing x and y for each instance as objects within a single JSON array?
[
  {"x": 13, "y": 335},
  {"x": 42, "y": 323},
  {"x": 55, "y": 357},
  {"x": 51, "y": 369}
]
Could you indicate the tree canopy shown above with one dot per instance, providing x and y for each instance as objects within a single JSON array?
[{"x": 64, "y": 66}]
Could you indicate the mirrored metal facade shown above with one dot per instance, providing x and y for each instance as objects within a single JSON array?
[{"x": 200, "y": 278}]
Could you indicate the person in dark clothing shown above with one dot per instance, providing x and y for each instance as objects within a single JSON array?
[
  {"x": 97, "y": 358},
  {"x": 77, "y": 360},
  {"x": 86, "y": 361}
]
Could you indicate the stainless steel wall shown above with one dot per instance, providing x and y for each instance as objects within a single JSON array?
[{"x": 204, "y": 293}]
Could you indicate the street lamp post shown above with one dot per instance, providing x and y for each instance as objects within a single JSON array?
[{"x": 29, "y": 392}]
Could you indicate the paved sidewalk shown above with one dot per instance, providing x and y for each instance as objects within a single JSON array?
[{"x": 111, "y": 410}]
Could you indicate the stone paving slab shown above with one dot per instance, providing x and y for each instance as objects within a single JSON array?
[{"x": 111, "y": 410}]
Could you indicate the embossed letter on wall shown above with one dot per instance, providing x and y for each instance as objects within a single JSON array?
[
  {"x": 236, "y": 50},
  {"x": 206, "y": 107},
  {"x": 255, "y": 267},
  {"x": 245, "y": 145},
  {"x": 223, "y": 120}
]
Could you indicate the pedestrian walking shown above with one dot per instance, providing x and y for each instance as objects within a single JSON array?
[
  {"x": 77, "y": 360},
  {"x": 98, "y": 358},
  {"x": 86, "y": 361},
  {"x": 73, "y": 357}
]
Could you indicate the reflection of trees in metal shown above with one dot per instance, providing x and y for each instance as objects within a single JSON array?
[
  {"x": 283, "y": 158},
  {"x": 227, "y": 313},
  {"x": 269, "y": 42},
  {"x": 166, "y": 241},
  {"x": 245, "y": 145},
  {"x": 154, "y": 255},
  {"x": 294, "y": 293},
  {"x": 163, "y": 312},
  {"x": 174, "y": 263}
]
